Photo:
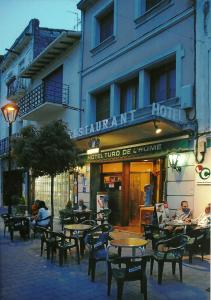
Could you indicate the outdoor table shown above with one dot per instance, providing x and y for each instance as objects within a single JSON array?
[
  {"x": 19, "y": 222},
  {"x": 77, "y": 230},
  {"x": 132, "y": 243},
  {"x": 118, "y": 235},
  {"x": 177, "y": 224}
]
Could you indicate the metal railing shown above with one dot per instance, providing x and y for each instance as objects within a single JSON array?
[
  {"x": 4, "y": 146},
  {"x": 16, "y": 87},
  {"x": 53, "y": 92}
]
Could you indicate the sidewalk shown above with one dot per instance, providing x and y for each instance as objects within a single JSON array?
[{"x": 27, "y": 276}]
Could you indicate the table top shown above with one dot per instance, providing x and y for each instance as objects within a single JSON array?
[
  {"x": 118, "y": 235},
  {"x": 129, "y": 243},
  {"x": 79, "y": 227},
  {"x": 77, "y": 211},
  {"x": 176, "y": 223}
]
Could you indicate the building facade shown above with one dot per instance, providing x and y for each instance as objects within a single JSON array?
[
  {"x": 136, "y": 83},
  {"x": 41, "y": 74},
  {"x": 139, "y": 75}
]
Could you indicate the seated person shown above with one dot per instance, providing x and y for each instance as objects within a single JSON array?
[
  {"x": 80, "y": 205},
  {"x": 183, "y": 214},
  {"x": 35, "y": 207},
  {"x": 42, "y": 218},
  {"x": 203, "y": 220}
]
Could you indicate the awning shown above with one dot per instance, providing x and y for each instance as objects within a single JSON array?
[
  {"x": 59, "y": 45},
  {"x": 139, "y": 133}
]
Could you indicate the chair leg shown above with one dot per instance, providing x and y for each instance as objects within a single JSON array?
[
  {"x": 190, "y": 256},
  {"x": 160, "y": 271},
  {"x": 41, "y": 247},
  {"x": 120, "y": 285},
  {"x": 93, "y": 267},
  {"x": 78, "y": 252},
  {"x": 89, "y": 266},
  {"x": 173, "y": 267},
  {"x": 61, "y": 256},
  {"x": 151, "y": 265},
  {"x": 109, "y": 279},
  {"x": 144, "y": 286},
  {"x": 180, "y": 269}
]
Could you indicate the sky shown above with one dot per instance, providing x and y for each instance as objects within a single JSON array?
[{"x": 16, "y": 14}]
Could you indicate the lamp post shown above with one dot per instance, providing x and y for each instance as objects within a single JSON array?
[{"x": 10, "y": 112}]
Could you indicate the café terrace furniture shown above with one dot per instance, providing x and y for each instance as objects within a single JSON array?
[
  {"x": 76, "y": 231},
  {"x": 97, "y": 241},
  {"x": 132, "y": 243},
  {"x": 102, "y": 216},
  {"x": 127, "y": 268},
  {"x": 5, "y": 218},
  {"x": 21, "y": 224},
  {"x": 81, "y": 215},
  {"x": 35, "y": 228},
  {"x": 170, "y": 250},
  {"x": 58, "y": 240},
  {"x": 197, "y": 242}
]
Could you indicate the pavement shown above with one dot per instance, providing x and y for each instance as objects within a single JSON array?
[{"x": 25, "y": 275}]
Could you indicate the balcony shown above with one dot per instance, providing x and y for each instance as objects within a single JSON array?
[
  {"x": 4, "y": 146},
  {"x": 16, "y": 88},
  {"x": 49, "y": 99}
]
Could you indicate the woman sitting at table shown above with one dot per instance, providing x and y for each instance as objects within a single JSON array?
[{"x": 43, "y": 216}]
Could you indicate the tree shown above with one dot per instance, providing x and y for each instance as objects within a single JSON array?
[{"x": 47, "y": 151}]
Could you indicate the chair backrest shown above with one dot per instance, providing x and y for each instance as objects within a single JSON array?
[
  {"x": 89, "y": 222},
  {"x": 175, "y": 245},
  {"x": 198, "y": 234},
  {"x": 134, "y": 267}
]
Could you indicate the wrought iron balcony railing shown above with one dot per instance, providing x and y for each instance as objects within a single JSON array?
[
  {"x": 4, "y": 146},
  {"x": 53, "y": 92},
  {"x": 16, "y": 88}
]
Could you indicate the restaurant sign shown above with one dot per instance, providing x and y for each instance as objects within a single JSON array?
[{"x": 140, "y": 150}]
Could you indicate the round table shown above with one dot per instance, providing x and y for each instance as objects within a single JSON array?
[
  {"x": 78, "y": 228},
  {"x": 132, "y": 243},
  {"x": 118, "y": 235}
]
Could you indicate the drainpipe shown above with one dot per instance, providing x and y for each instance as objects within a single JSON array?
[{"x": 81, "y": 66}]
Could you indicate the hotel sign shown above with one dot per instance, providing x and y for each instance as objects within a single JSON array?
[
  {"x": 141, "y": 150},
  {"x": 129, "y": 118}
]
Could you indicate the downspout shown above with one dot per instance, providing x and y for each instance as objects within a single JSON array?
[{"x": 81, "y": 66}]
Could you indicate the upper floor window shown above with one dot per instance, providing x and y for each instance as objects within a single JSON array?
[
  {"x": 102, "y": 106},
  {"x": 151, "y": 3},
  {"x": 106, "y": 25},
  {"x": 129, "y": 95},
  {"x": 163, "y": 82}
]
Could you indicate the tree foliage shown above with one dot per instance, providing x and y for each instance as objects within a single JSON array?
[{"x": 46, "y": 151}]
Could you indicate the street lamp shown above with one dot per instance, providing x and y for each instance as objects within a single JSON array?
[{"x": 10, "y": 112}]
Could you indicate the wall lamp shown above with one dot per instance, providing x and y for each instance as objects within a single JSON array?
[
  {"x": 173, "y": 160},
  {"x": 94, "y": 146},
  {"x": 157, "y": 128}
]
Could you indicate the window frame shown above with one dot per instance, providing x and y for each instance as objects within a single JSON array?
[
  {"x": 97, "y": 44},
  {"x": 163, "y": 70}
]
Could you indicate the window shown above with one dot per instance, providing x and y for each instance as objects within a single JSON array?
[
  {"x": 106, "y": 24},
  {"x": 103, "y": 106},
  {"x": 151, "y": 3},
  {"x": 163, "y": 82},
  {"x": 11, "y": 86},
  {"x": 128, "y": 95}
]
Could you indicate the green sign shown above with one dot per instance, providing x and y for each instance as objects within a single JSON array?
[{"x": 142, "y": 150}]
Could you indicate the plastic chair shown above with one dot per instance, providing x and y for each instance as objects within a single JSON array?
[
  {"x": 97, "y": 241},
  {"x": 20, "y": 224},
  {"x": 59, "y": 241},
  {"x": 197, "y": 242},
  {"x": 37, "y": 226},
  {"x": 170, "y": 250},
  {"x": 127, "y": 269}
]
